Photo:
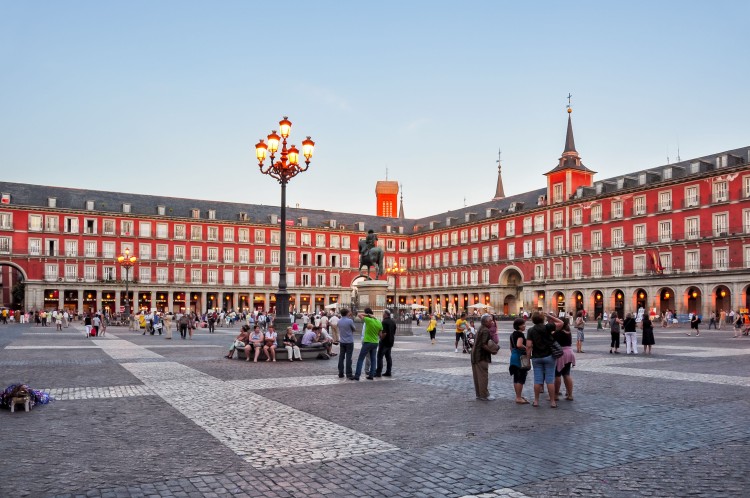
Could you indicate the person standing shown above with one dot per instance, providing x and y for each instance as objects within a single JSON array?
[
  {"x": 211, "y": 322},
  {"x": 579, "y": 332},
  {"x": 631, "y": 338},
  {"x": 712, "y": 320},
  {"x": 605, "y": 319},
  {"x": 517, "y": 349},
  {"x": 564, "y": 363},
  {"x": 432, "y": 328},
  {"x": 334, "y": 328},
  {"x": 182, "y": 325},
  {"x": 370, "y": 339},
  {"x": 481, "y": 357},
  {"x": 387, "y": 338},
  {"x": 461, "y": 328},
  {"x": 346, "y": 336},
  {"x": 539, "y": 342},
  {"x": 722, "y": 318},
  {"x": 96, "y": 323},
  {"x": 648, "y": 335},
  {"x": 167, "y": 324},
  {"x": 694, "y": 323}
]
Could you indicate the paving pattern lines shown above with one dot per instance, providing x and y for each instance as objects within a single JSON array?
[{"x": 222, "y": 409}]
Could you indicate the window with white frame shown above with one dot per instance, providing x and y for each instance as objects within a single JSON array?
[
  {"x": 144, "y": 229},
  {"x": 475, "y": 255},
  {"x": 89, "y": 273},
  {"x": 464, "y": 236},
  {"x": 639, "y": 264},
  {"x": 51, "y": 223},
  {"x": 161, "y": 275},
  {"x": 577, "y": 242},
  {"x": 527, "y": 224},
  {"x": 179, "y": 253},
  {"x": 144, "y": 251},
  {"x": 617, "y": 267},
  {"x": 596, "y": 240},
  {"x": 243, "y": 235},
  {"x": 539, "y": 246},
  {"x": 486, "y": 232},
  {"x": 228, "y": 277},
  {"x": 639, "y": 205},
  {"x": 596, "y": 268},
  {"x": 617, "y": 239},
  {"x": 71, "y": 225},
  {"x": 665, "y": 200},
  {"x": 721, "y": 224},
  {"x": 557, "y": 192},
  {"x": 179, "y": 276},
  {"x": 162, "y": 252},
  {"x": 89, "y": 226},
  {"x": 144, "y": 274},
  {"x": 454, "y": 279},
  {"x": 291, "y": 258},
  {"x": 464, "y": 257},
  {"x": 345, "y": 261},
  {"x": 510, "y": 228},
  {"x": 721, "y": 191},
  {"x": 390, "y": 244},
  {"x": 71, "y": 273},
  {"x": 596, "y": 213},
  {"x": 692, "y": 228},
  {"x": 485, "y": 254},
  {"x": 528, "y": 248},
  {"x": 244, "y": 278},
  {"x": 558, "y": 271},
  {"x": 577, "y": 269},
  {"x": 35, "y": 247},
  {"x": 109, "y": 273},
  {"x": 275, "y": 257},
  {"x": 454, "y": 257},
  {"x": 692, "y": 261},
  {"x": 305, "y": 239},
  {"x": 746, "y": 220},
  {"x": 179, "y": 232},
  {"x": 260, "y": 256},
  {"x": 320, "y": 240},
  {"x": 71, "y": 248},
  {"x": 559, "y": 246},
  {"x": 557, "y": 219},
  {"x": 495, "y": 253},
  {"x": 747, "y": 256},
  {"x": 539, "y": 272},
  {"x": 474, "y": 277},
  {"x": 196, "y": 232},
  {"x": 691, "y": 196},
  {"x": 539, "y": 223},
  {"x": 616, "y": 210},
  {"x": 444, "y": 279},
  {"x": 5, "y": 245},
  {"x": 213, "y": 233},
  {"x": 108, "y": 250},
  {"x": 577, "y": 216},
  {"x": 665, "y": 258},
  {"x": 639, "y": 235},
  {"x": 126, "y": 228},
  {"x": 89, "y": 248},
  {"x": 721, "y": 258},
  {"x": 108, "y": 227},
  {"x": 444, "y": 240},
  {"x": 212, "y": 277},
  {"x": 195, "y": 253},
  {"x": 162, "y": 230},
  {"x": 213, "y": 254},
  {"x": 228, "y": 255},
  {"x": 511, "y": 250},
  {"x": 665, "y": 231},
  {"x": 746, "y": 186}
]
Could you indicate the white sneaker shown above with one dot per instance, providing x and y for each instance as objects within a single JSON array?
[{"x": 456, "y": 350}]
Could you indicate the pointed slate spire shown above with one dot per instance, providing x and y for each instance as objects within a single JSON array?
[
  {"x": 401, "y": 205},
  {"x": 499, "y": 190},
  {"x": 570, "y": 144}
]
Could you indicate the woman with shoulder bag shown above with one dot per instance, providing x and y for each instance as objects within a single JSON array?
[
  {"x": 565, "y": 362},
  {"x": 239, "y": 342},
  {"x": 539, "y": 343},
  {"x": 432, "y": 328},
  {"x": 520, "y": 364},
  {"x": 614, "y": 330}
]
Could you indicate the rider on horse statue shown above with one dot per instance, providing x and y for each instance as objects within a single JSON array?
[{"x": 370, "y": 254}]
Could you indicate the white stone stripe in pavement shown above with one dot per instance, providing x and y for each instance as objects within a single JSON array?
[
  {"x": 499, "y": 493},
  {"x": 285, "y": 382},
  {"x": 221, "y": 407},
  {"x": 668, "y": 375},
  {"x": 53, "y": 347},
  {"x": 79, "y": 393}
]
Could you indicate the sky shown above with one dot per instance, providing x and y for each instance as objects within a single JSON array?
[{"x": 170, "y": 97}]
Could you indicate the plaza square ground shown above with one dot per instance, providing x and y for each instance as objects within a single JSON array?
[{"x": 143, "y": 416}]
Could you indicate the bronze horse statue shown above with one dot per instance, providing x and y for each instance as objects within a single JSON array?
[{"x": 369, "y": 258}]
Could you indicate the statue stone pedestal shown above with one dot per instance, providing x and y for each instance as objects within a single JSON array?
[{"x": 372, "y": 294}]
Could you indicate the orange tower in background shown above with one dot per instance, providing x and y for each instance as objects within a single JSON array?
[{"x": 386, "y": 193}]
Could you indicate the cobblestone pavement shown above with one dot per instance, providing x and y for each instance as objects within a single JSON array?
[{"x": 139, "y": 416}]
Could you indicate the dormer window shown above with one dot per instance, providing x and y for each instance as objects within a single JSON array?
[
  {"x": 243, "y": 216},
  {"x": 211, "y": 214},
  {"x": 360, "y": 226},
  {"x": 642, "y": 179},
  {"x": 5, "y": 199},
  {"x": 195, "y": 213},
  {"x": 620, "y": 183},
  {"x": 51, "y": 202},
  {"x": 695, "y": 167},
  {"x": 161, "y": 210},
  {"x": 126, "y": 207},
  {"x": 667, "y": 173},
  {"x": 89, "y": 205}
]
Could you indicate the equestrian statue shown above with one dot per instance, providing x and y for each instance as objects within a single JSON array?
[{"x": 371, "y": 255}]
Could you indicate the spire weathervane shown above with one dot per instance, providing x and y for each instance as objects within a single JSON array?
[
  {"x": 569, "y": 97},
  {"x": 499, "y": 159}
]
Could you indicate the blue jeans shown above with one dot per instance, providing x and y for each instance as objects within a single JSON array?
[
  {"x": 345, "y": 358},
  {"x": 544, "y": 370},
  {"x": 368, "y": 348}
]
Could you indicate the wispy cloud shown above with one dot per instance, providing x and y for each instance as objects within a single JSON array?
[{"x": 325, "y": 95}]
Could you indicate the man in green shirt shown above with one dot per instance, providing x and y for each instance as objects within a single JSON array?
[{"x": 370, "y": 339}]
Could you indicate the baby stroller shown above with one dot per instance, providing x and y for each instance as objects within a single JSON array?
[{"x": 470, "y": 337}]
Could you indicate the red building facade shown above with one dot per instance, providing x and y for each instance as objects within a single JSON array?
[{"x": 675, "y": 236}]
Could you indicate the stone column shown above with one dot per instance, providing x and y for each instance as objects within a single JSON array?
[
  {"x": 118, "y": 296},
  {"x": 99, "y": 300},
  {"x": 60, "y": 299},
  {"x": 80, "y": 300},
  {"x": 267, "y": 301},
  {"x": 204, "y": 301}
]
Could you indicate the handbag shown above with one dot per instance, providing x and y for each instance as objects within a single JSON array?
[
  {"x": 525, "y": 362},
  {"x": 557, "y": 350},
  {"x": 239, "y": 344},
  {"x": 492, "y": 347}
]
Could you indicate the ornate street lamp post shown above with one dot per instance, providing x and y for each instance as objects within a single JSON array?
[
  {"x": 396, "y": 271},
  {"x": 127, "y": 261},
  {"x": 283, "y": 170}
]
